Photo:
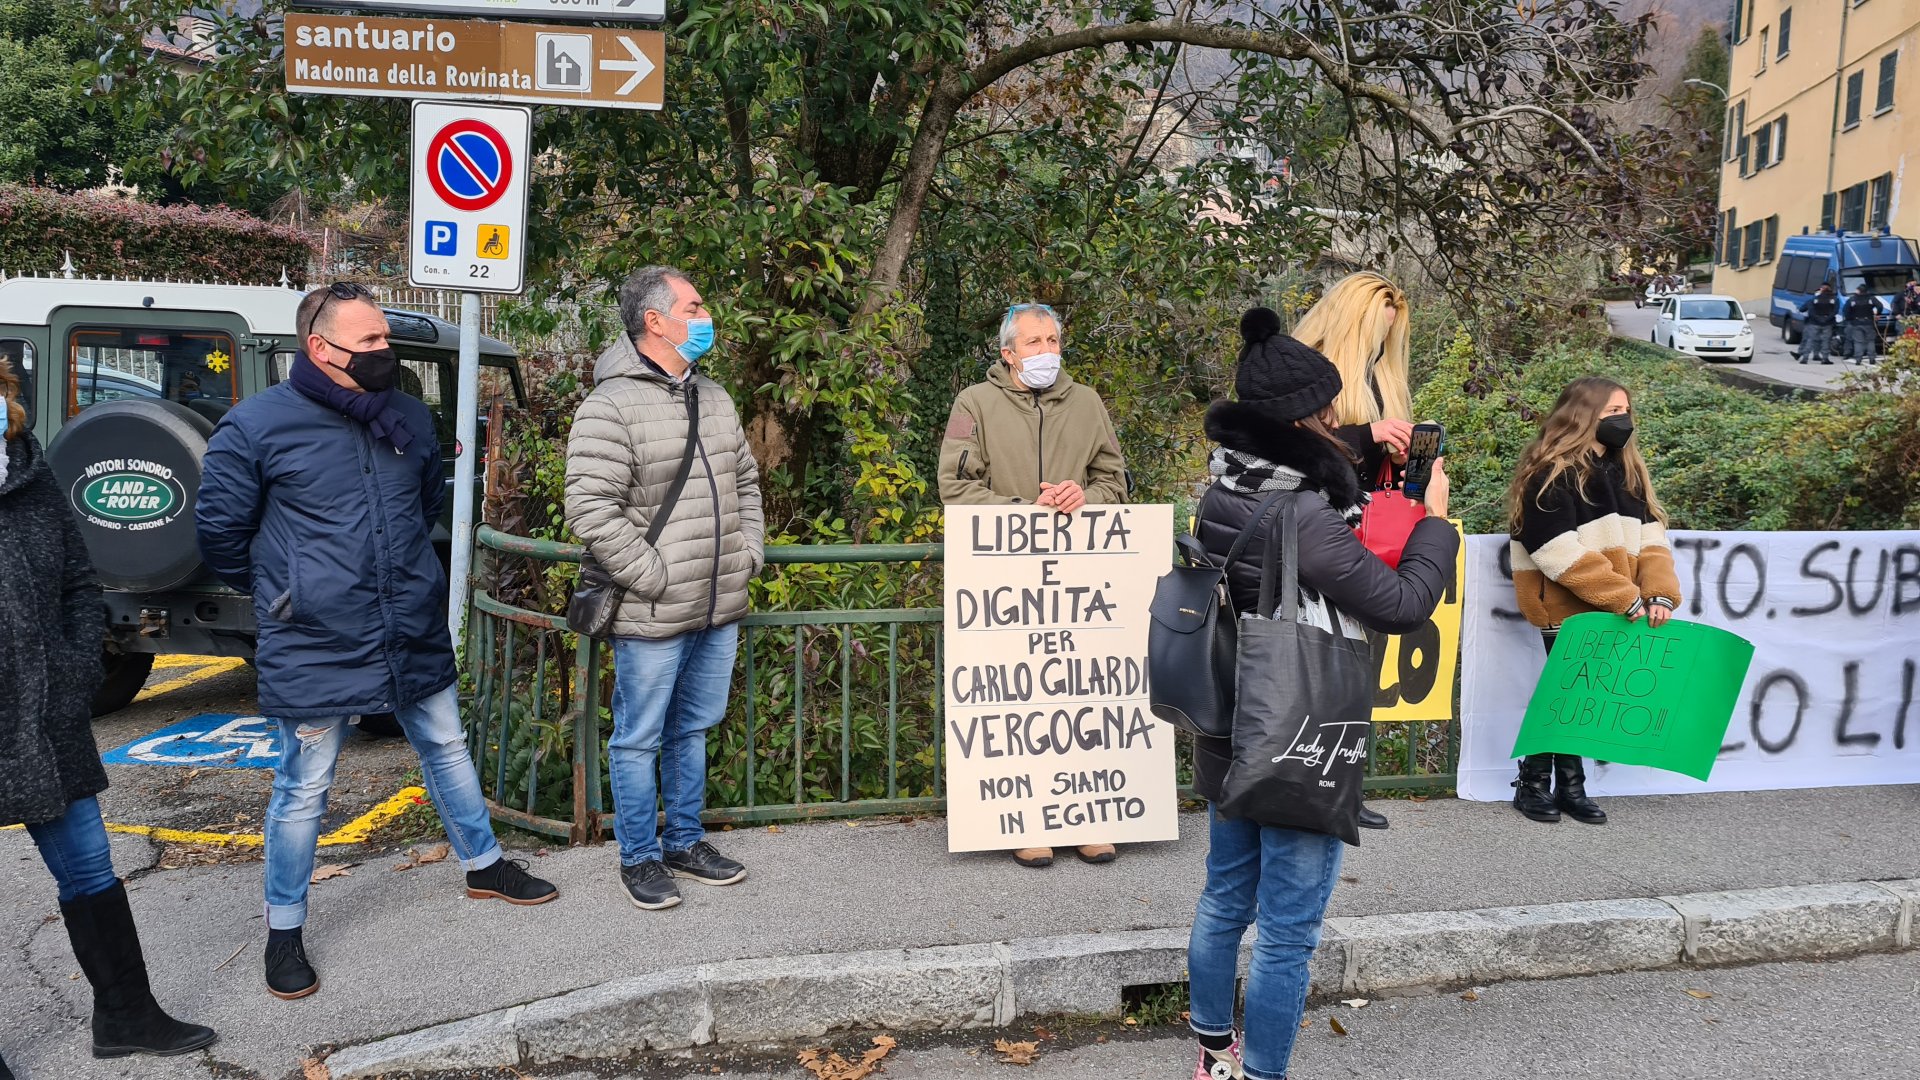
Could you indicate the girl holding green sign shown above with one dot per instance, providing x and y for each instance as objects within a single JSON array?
[{"x": 1588, "y": 534}]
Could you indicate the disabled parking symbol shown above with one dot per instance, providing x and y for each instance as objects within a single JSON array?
[{"x": 221, "y": 740}]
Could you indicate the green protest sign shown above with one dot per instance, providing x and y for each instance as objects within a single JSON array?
[{"x": 1622, "y": 691}]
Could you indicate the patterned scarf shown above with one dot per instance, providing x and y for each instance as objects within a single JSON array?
[
  {"x": 375, "y": 409},
  {"x": 1251, "y": 474}
]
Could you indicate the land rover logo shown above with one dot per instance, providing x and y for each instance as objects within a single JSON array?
[{"x": 128, "y": 494}]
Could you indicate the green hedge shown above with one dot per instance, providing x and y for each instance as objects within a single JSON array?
[
  {"x": 115, "y": 236},
  {"x": 1722, "y": 457}
]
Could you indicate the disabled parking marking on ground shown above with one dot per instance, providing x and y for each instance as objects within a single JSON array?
[
  {"x": 357, "y": 831},
  {"x": 204, "y": 667},
  {"x": 216, "y": 740}
]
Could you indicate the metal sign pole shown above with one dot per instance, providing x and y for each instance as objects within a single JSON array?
[{"x": 466, "y": 413}]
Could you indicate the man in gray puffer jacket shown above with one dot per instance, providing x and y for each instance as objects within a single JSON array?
[{"x": 670, "y": 506}]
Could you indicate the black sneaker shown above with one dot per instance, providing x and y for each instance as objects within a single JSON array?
[
  {"x": 508, "y": 880},
  {"x": 703, "y": 863},
  {"x": 649, "y": 886},
  {"x": 289, "y": 976}
]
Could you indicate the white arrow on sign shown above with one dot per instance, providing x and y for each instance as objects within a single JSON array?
[{"x": 639, "y": 65}]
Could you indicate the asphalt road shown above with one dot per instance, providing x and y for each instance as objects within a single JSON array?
[
  {"x": 1855, "y": 1018},
  {"x": 1772, "y": 356}
]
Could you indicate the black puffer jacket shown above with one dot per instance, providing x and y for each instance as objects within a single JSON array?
[
  {"x": 1334, "y": 564},
  {"x": 51, "y": 622}
]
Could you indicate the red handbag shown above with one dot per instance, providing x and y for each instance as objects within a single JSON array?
[{"x": 1388, "y": 518}]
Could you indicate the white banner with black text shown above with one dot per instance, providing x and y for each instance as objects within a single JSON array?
[{"x": 1829, "y": 702}]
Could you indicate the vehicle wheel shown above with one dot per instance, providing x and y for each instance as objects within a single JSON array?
[
  {"x": 126, "y": 674},
  {"x": 1653, "y": 336},
  {"x": 131, "y": 473},
  {"x": 1794, "y": 333},
  {"x": 383, "y": 725}
]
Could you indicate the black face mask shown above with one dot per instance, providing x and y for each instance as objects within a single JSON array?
[
  {"x": 374, "y": 370},
  {"x": 1615, "y": 431}
]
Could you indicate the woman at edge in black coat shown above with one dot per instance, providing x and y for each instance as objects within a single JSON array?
[
  {"x": 1279, "y": 436},
  {"x": 52, "y": 621}
]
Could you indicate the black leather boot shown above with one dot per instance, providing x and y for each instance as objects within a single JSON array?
[
  {"x": 1372, "y": 819},
  {"x": 1533, "y": 791},
  {"x": 1570, "y": 790},
  {"x": 126, "y": 1019}
]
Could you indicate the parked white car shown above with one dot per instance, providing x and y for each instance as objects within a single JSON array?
[{"x": 1709, "y": 327}]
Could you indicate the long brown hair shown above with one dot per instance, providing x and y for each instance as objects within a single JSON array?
[
  {"x": 16, "y": 425},
  {"x": 1348, "y": 327},
  {"x": 1565, "y": 446}
]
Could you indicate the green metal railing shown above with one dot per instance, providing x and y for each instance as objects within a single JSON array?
[{"x": 537, "y": 695}]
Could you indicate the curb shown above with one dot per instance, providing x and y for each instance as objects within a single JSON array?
[{"x": 958, "y": 987}]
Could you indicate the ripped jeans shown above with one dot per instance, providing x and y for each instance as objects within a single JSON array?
[{"x": 308, "y": 751}]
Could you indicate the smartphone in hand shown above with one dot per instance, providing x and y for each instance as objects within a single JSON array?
[{"x": 1427, "y": 444}]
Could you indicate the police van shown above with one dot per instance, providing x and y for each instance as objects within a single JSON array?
[
  {"x": 123, "y": 382},
  {"x": 1845, "y": 260}
]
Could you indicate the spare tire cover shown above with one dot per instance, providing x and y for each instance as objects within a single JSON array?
[{"x": 131, "y": 473}]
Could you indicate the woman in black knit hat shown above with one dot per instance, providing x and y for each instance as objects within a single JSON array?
[{"x": 1280, "y": 436}]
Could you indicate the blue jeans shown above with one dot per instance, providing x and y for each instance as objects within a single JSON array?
[
  {"x": 666, "y": 694},
  {"x": 308, "y": 751},
  {"x": 74, "y": 847},
  {"x": 1284, "y": 878}
]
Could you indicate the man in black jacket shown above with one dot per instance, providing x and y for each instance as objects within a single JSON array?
[
  {"x": 1821, "y": 312},
  {"x": 1861, "y": 314}
]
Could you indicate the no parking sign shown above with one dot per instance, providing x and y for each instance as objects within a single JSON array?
[{"x": 469, "y": 220}]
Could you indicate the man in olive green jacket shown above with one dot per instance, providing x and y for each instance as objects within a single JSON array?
[{"x": 1030, "y": 434}]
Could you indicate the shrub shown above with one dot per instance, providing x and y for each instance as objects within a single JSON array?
[{"x": 114, "y": 236}]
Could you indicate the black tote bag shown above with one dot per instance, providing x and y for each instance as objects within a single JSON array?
[
  {"x": 1302, "y": 708},
  {"x": 1191, "y": 640}
]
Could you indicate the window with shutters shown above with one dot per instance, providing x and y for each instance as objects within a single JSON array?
[
  {"x": 1856, "y": 82},
  {"x": 1755, "y": 237},
  {"x": 1763, "y": 147},
  {"x": 1740, "y": 20},
  {"x": 1772, "y": 241},
  {"x": 1736, "y": 124},
  {"x": 1746, "y": 155},
  {"x": 1730, "y": 239},
  {"x": 1879, "y": 200},
  {"x": 1763, "y": 51},
  {"x": 1826, "y": 212},
  {"x": 1853, "y": 208},
  {"x": 1786, "y": 33},
  {"x": 1779, "y": 140},
  {"x": 1883, "y": 97}
]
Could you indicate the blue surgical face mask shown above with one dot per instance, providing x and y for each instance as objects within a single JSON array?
[{"x": 699, "y": 338}]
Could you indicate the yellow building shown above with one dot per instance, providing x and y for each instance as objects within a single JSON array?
[{"x": 1823, "y": 122}]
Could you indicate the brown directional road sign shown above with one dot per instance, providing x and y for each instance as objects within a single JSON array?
[{"x": 475, "y": 61}]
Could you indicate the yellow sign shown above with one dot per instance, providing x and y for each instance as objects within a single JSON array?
[
  {"x": 218, "y": 362},
  {"x": 494, "y": 241},
  {"x": 1414, "y": 672}
]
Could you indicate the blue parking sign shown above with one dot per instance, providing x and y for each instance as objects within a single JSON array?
[
  {"x": 221, "y": 740},
  {"x": 443, "y": 238}
]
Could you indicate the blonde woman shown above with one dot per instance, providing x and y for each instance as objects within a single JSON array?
[
  {"x": 1588, "y": 535},
  {"x": 1361, "y": 325}
]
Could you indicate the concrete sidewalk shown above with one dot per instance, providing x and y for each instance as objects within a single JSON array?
[{"x": 404, "y": 951}]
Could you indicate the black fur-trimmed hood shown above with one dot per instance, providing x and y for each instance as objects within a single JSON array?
[{"x": 1248, "y": 429}]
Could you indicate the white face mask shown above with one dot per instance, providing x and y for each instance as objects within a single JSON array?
[{"x": 1040, "y": 370}]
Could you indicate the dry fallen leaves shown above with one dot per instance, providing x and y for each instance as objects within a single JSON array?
[
  {"x": 1016, "y": 1053},
  {"x": 1043, "y": 1034},
  {"x": 315, "y": 1069},
  {"x": 830, "y": 1066},
  {"x": 1338, "y": 1027},
  {"x": 1701, "y": 995},
  {"x": 424, "y": 856},
  {"x": 330, "y": 871},
  {"x": 1471, "y": 995}
]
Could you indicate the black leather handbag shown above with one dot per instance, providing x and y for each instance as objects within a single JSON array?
[
  {"x": 1193, "y": 639},
  {"x": 594, "y": 603}
]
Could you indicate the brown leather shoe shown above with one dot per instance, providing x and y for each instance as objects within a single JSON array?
[
  {"x": 1097, "y": 853},
  {"x": 1034, "y": 856}
]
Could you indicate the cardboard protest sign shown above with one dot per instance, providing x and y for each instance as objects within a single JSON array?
[
  {"x": 1620, "y": 691},
  {"x": 1049, "y": 741},
  {"x": 1413, "y": 672}
]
